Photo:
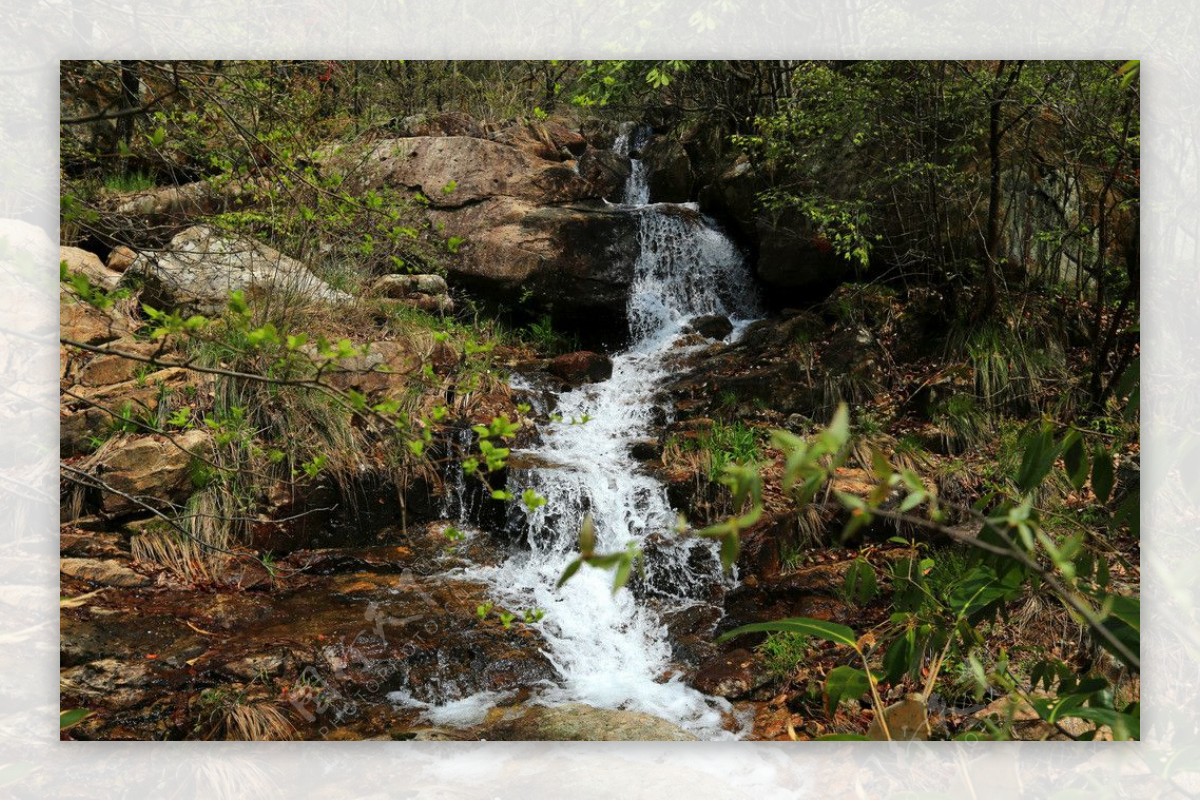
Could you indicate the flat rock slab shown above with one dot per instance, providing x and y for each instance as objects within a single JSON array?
[
  {"x": 109, "y": 572},
  {"x": 580, "y": 722}
]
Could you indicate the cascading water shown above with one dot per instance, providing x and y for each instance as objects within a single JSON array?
[{"x": 611, "y": 650}]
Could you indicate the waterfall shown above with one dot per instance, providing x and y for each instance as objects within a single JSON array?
[{"x": 611, "y": 650}]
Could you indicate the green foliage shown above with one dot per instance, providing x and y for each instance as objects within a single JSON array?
[
  {"x": 620, "y": 562},
  {"x": 72, "y": 717},
  {"x": 135, "y": 181},
  {"x": 547, "y": 340},
  {"x": 725, "y": 445},
  {"x": 782, "y": 652},
  {"x": 944, "y": 599},
  {"x": 604, "y": 83},
  {"x": 859, "y": 585}
]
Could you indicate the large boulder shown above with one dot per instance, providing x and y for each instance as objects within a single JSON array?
[
  {"x": 89, "y": 265},
  {"x": 606, "y": 173},
  {"x": 201, "y": 267},
  {"x": 146, "y": 471},
  {"x": 577, "y": 258},
  {"x": 452, "y": 171},
  {"x": 534, "y": 228}
]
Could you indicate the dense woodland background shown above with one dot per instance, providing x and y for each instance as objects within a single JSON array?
[{"x": 949, "y": 252}]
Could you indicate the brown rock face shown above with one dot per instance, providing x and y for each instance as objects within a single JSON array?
[
  {"x": 149, "y": 468},
  {"x": 581, "y": 367},
  {"x": 108, "y": 572},
  {"x": 120, "y": 257},
  {"x": 729, "y": 676},
  {"x": 533, "y": 226}
]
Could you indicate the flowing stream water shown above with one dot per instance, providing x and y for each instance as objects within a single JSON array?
[{"x": 612, "y": 650}]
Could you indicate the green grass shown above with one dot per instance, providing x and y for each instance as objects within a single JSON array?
[
  {"x": 783, "y": 652},
  {"x": 728, "y": 444},
  {"x": 135, "y": 181},
  {"x": 546, "y": 340},
  {"x": 1019, "y": 368}
]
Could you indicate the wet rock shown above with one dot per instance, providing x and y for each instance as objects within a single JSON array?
[
  {"x": 325, "y": 561},
  {"x": 782, "y": 598},
  {"x": 234, "y": 611},
  {"x": 81, "y": 543},
  {"x": 580, "y": 722},
  {"x": 258, "y": 665},
  {"x": 108, "y": 572},
  {"x": 730, "y": 675},
  {"x": 658, "y": 416},
  {"x": 200, "y": 268},
  {"x": 794, "y": 260},
  {"x": 107, "y": 683},
  {"x": 713, "y": 326},
  {"x": 606, "y": 173},
  {"x": 670, "y": 170},
  {"x": 646, "y": 450},
  {"x": 581, "y": 367},
  {"x": 690, "y": 632}
]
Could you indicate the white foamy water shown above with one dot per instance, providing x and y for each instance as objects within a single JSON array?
[{"x": 612, "y": 651}]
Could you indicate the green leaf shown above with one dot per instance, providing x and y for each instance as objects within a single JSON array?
[
  {"x": 979, "y": 589},
  {"x": 1102, "y": 474},
  {"x": 900, "y": 656},
  {"x": 860, "y": 585},
  {"x": 1075, "y": 459},
  {"x": 845, "y": 682},
  {"x": 1124, "y": 623},
  {"x": 730, "y": 545},
  {"x": 71, "y": 717},
  {"x": 845, "y": 736},
  {"x": 821, "y": 629},
  {"x": 621, "y": 576},
  {"x": 569, "y": 571},
  {"x": 587, "y": 536},
  {"x": 1039, "y": 456}
]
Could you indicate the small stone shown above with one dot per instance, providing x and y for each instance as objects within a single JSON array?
[
  {"x": 581, "y": 722},
  {"x": 646, "y": 450},
  {"x": 906, "y": 720},
  {"x": 120, "y": 257},
  {"x": 251, "y": 667}
]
